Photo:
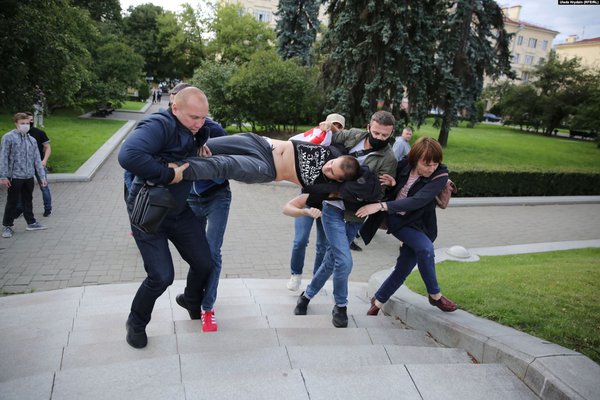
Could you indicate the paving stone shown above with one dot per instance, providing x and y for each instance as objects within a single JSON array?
[
  {"x": 284, "y": 384},
  {"x": 373, "y": 382},
  {"x": 466, "y": 382},
  {"x": 323, "y": 336},
  {"x": 201, "y": 341},
  {"x": 225, "y": 324},
  {"x": 117, "y": 352},
  {"x": 426, "y": 355},
  {"x": 403, "y": 337},
  {"x": 221, "y": 362},
  {"x": 319, "y": 356},
  {"x": 158, "y": 378},
  {"x": 28, "y": 388}
]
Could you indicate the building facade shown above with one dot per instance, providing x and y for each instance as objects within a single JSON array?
[
  {"x": 530, "y": 46},
  {"x": 588, "y": 50}
]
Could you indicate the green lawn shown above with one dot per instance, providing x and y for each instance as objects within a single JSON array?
[
  {"x": 495, "y": 147},
  {"x": 73, "y": 139},
  {"x": 132, "y": 105},
  {"x": 549, "y": 295}
]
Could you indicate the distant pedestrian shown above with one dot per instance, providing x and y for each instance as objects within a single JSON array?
[
  {"x": 38, "y": 107},
  {"x": 402, "y": 145},
  {"x": 159, "y": 94},
  {"x": 43, "y": 143},
  {"x": 19, "y": 162}
]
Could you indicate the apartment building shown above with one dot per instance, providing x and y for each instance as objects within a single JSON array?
[
  {"x": 531, "y": 44},
  {"x": 588, "y": 50}
]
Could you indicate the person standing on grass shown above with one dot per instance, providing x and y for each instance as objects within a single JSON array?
[
  {"x": 19, "y": 162},
  {"x": 411, "y": 218},
  {"x": 402, "y": 145}
]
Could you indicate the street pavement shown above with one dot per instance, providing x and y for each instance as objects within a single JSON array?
[{"x": 88, "y": 242}]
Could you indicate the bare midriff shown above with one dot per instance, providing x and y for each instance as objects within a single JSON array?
[{"x": 285, "y": 165}]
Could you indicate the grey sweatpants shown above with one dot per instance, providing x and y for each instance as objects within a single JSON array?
[{"x": 245, "y": 157}]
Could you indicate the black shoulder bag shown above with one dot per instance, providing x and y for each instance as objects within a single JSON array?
[{"x": 151, "y": 206}]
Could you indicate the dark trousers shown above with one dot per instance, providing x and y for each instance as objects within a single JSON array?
[
  {"x": 19, "y": 190},
  {"x": 186, "y": 233}
]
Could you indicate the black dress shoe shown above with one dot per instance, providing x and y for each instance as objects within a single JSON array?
[
  {"x": 47, "y": 213},
  {"x": 194, "y": 314},
  {"x": 354, "y": 246},
  {"x": 136, "y": 337},
  {"x": 301, "y": 305},
  {"x": 340, "y": 316},
  {"x": 443, "y": 304},
  {"x": 373, "y": 310}
]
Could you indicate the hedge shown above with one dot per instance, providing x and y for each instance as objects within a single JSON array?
[{"x": 503, "y": 184}]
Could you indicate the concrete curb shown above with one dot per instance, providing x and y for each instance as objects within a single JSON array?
[
  {"x": 86, "y": 172},
  {"x": 550, "y": 370}
]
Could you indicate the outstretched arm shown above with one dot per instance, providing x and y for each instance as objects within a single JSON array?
[{"x": 297, "y": 208}]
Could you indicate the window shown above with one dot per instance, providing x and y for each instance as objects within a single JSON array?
[
  {"x": 544, "y": 45},
  {"x": 525, "y": 76},
  {"x": 528, "y": 60},
  {"x": 519, "y": 40},
  {"x": 532, "y": 43},
  {"x": 262, "y": 15},
  {"x": 516, "y": 57}
]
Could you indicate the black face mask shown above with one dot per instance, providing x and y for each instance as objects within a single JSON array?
[{"x": 377, "y": 144}]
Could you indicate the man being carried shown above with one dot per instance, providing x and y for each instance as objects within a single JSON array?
[{"x": 250, "y": 158}]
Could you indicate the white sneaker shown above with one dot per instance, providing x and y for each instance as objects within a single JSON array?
[
  {"x": 294, "y": 282},
  {"x": 7, "y": 232}
]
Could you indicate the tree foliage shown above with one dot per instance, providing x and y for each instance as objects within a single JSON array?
[
  {"x": 43, "y": 44},
  {"x": 213, "y": 78},
  {"x": 473, "y": 43},
  {"x": 438, "y": 50},
  {"x": 237, "y": 35},
  {"x": 141, "y": 30},
  {"x": 297, "y": 28},
  {"x": 274, "y": 93}
]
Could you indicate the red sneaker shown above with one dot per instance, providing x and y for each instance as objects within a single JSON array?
[{"x": 209, "y": 323}]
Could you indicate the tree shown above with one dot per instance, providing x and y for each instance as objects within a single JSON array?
[
  {"x": 472, "y": 44},
  {"x": 237, "y": 35},
  {"x": 297, "y": 28},
  {"x": 213, "y": 78},
  {"x": 43, "y": 44},
  {"x": 375, "y": 51},
  {"x": 180, "y": 40},
  {"x": 272, "y": 92},
  {"x": 101, "y": 10},
  {"x": 563, "y": 87},
  {"x": 520, "y": 106},
  {"x": 140, "y": 29}
]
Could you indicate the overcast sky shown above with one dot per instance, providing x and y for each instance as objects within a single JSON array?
[{"x": 583, "y": 21}]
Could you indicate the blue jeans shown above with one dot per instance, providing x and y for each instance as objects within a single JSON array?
[
  {"x": 212, "y": 211},
  {"x": 46, "y": 196},
  {"x": 186, "y": 233},
  {"x": 302, "y": 227},
  {"x": 417, "y": 249},
  {"x": 338, "y": 259}
]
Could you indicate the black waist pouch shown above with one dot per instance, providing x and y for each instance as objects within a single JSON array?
[{"x": 151, "y": 206}]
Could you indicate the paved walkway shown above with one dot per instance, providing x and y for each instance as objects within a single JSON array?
[{"x": 87, "y": 241}]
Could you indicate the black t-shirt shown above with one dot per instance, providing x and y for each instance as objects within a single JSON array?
[
  {"x": 40, "y": 137},
  {"x": 310, "y": 159}
]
